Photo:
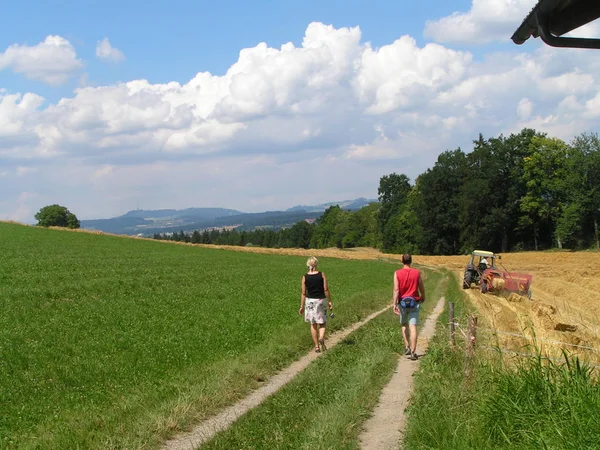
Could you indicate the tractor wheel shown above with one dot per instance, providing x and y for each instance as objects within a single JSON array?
[
  {"x": 467, "y": 280},
  {"x": 483, "y": 287},
  {"x": 529, "y": 294}
]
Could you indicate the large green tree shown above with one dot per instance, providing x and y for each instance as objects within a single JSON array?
[
  {"x": 491, "y": 192},
  {"x": 393, "y": 191},
  {"x": 588, "y": 167},
  {"x": 330, "y": 228},
  {"x": 56, "y": 216},
  {"x": 393, "y": 194},
  {"x": 362, "y": 228},
  {"x": 300, "y": 234},
  {"x": 402, "y": 233},
  {"x": 546, "y": 173},
  {"x": 437, "y": 203}
]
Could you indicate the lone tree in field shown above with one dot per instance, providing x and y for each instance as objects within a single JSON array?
[{"x": 56, "y": 216}]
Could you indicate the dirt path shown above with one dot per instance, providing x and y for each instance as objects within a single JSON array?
[
  {"x": 384, "y": 428},
  {"x": 207, "y": 429}
]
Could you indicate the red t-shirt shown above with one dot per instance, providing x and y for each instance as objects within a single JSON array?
[{"x": 408, "y": 283}]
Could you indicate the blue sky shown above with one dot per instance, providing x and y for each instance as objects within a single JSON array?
[
  {"x": 367, "y": 88},
  {"x": 172, "y": 41}
]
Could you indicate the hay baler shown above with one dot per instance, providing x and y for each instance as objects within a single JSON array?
[
  {"x": 496, "y": 281},
  {"x": 482, "y": 271}
]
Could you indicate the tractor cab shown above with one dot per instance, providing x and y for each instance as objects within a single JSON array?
[
  {"x": 480, "y": 261},
  {"x": 483, "y": 260}
]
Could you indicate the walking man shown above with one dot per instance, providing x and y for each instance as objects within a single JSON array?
[{"x": 409, "y": 293}]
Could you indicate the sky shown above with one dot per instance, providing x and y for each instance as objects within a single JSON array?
[{"x": 110, "y": 106}]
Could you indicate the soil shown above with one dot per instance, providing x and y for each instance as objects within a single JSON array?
[
  {"x": 207, "y": 429},
  {"x": 383, "y": 430}
]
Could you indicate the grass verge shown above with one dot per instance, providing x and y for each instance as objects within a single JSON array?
[{"x": 533, "y": 403}]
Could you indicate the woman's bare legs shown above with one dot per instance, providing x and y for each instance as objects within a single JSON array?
[
  {"x": 322, "y": 336},
  {"x": 321, "y": 332},
  {"x": 314, "y": 332}
]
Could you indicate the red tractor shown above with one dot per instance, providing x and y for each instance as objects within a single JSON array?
[{"x": 482, "y": 271}]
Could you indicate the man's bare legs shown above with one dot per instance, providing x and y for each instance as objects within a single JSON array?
[
  {"x": 412, "y": 338},
  {"x": 405, "y": 336}
]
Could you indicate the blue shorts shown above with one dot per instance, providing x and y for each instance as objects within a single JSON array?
[{"x": 410, "y": 316}]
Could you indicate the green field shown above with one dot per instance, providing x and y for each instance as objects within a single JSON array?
[{"x": 109, "y": 342}]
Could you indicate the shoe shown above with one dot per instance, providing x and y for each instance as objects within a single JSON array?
[
  {"x": 322, "y": 345},
  {"x": 413, "y": 356},
  {"x": 406, "y": 351},
  {"x": 317, "y": 350}
]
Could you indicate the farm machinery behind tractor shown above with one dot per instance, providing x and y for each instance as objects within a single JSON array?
[{"x": 483, "y": 272}]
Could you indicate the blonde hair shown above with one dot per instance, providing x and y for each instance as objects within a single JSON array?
[{"x": 312, "y": 263}]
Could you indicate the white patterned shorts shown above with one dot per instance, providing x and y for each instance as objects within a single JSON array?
[{"x": 315, "y": 310}]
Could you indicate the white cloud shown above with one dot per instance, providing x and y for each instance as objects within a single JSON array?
[
  {"x": 24, "y": 171},
  {"x": 52, "y": 61},
  {"x": 335, "y": 110},
  {"x": 524, "y": 109},
  {"x": 486, "y": 21},
  {"x": 273, "y": 99},
  {"x": 107, "y": 52},
  {"x": 21, "y": 209},
  {"x": 402, "y": 75},
  {"x": 103, "y": 172}
]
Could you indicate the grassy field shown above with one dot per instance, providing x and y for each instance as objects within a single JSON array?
[
  {"x": 325, "y": 406},
  {"x": 109, "y": 342}
]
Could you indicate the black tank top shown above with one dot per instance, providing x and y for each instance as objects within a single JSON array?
[{"x": 315, "y": 287}]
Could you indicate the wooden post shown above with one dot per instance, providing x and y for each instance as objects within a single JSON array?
[
  {"x": 470, "y": 350},
  {"x": 472, "y": 334},
  {"x": 451, "y": 314}
]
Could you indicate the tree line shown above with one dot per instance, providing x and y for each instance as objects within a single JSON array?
[{"x": 527, "y": 191}]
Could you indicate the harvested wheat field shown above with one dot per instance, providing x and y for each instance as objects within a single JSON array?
[{"x": 564, "y": 311}]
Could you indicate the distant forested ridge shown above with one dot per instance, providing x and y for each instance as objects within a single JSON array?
[
  {"x": 527, "y": 191},
  {"x": 169, "y": 221}
]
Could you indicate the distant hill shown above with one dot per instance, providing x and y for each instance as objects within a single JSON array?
[
  {"x": 199, "y": 213},
  {"x": 351, "y": 205},
  {"x": 139, "y": 220},
  {"x": 149, "y": 222}
]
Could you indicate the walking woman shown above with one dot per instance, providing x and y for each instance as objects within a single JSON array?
[{"x": 312, "y": 302}]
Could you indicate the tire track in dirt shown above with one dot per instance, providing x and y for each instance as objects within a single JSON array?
[
  {"x": 384, "y": 429},
  {"x": 210, "y": 427}
]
